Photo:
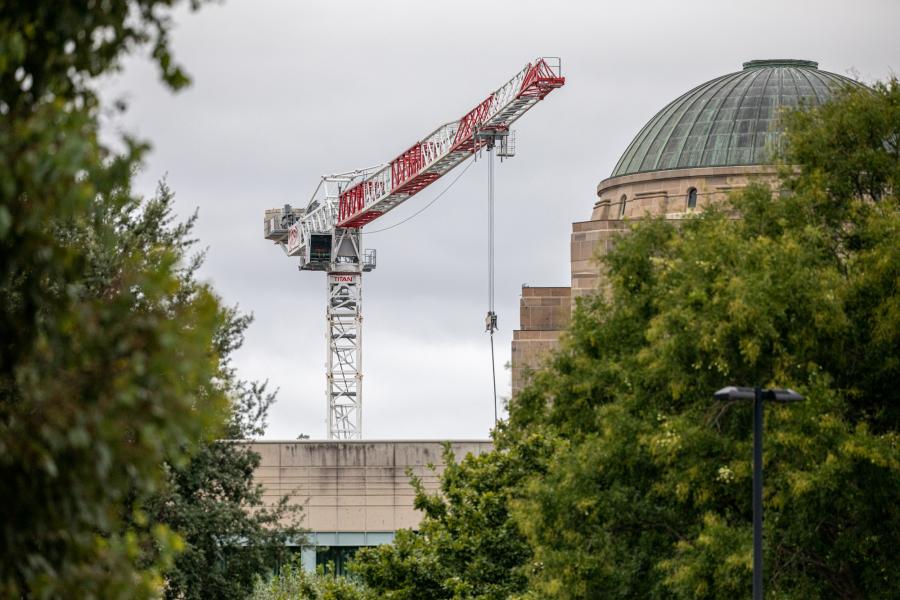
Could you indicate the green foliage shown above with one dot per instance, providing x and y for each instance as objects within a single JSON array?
[
  {"x": 229, "y": 536},
  {"x": 618, "y": 475},
  {"x": 466, "y": 546},
  {"x": 56, "y": 50},
  {"x": 292, "y": 583},
  {"x": 649, "y": 490},
  {"x": 111, "y": 355},
  {"x": 849, "y": 148},
  {"x": 211, "y": 501}
]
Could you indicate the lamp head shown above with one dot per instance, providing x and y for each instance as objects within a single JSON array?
[
  {"x": 735, "y": 393},
  {"x": 782, "y": 396},
  {"x": 748, "y": 393}
]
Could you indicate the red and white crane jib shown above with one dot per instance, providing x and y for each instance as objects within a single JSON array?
[{"x": 447, "y": 146}]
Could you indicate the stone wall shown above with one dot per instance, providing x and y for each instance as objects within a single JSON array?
[
  {"x": 543, "y": 313},
  {"x": 621, "y": 200},
  {"x": 353, "y": 486},
  {"x": 666, "y": 192},
  {"x": 659, "y": 193},
  {"x": 589, "y": 240}
]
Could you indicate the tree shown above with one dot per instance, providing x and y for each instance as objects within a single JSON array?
[
  {"x": 618, "y": 475},
  {"x": 211, "y": 501},
  {"x": 230, "y": 537},
  {"x": 109, "y": 361},
  {"x": 466, "y": 545},
  {"x": 649, "y": 494},
  {"x": 293, "y": 583}
]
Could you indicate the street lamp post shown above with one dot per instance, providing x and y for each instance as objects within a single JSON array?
[{"x": 758, "y": 395}]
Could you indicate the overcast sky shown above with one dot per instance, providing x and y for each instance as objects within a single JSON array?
[{"x": 285, "y": 91}]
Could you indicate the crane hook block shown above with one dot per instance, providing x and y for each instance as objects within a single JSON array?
[{"x": 490, "y": 322}]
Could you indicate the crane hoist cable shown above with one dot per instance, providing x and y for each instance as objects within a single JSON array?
[
  {"x": 490, "y": 321},
  {"x": 424, "y": 208}
]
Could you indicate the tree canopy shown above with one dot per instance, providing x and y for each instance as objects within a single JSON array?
[
  {"x": 467, "y": 546},
  {"x": 115, "y": 380},
  {"x": 640, "y": 484},
  {"x": 227, "y": 536}
]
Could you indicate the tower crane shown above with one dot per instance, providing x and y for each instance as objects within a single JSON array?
[{"x": 326, "y": 234}]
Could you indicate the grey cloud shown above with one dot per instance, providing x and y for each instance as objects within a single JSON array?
[{"x": 287, "y": 91}]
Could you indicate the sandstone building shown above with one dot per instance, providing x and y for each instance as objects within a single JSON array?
[{"x": 715, "y": 138}]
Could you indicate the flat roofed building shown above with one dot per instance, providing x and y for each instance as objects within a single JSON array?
[{"x": 353, "y": 493}]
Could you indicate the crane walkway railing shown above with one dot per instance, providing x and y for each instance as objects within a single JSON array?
[{"x": 447, "y": 146}]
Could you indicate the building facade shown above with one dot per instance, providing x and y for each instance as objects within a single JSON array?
[
  {"x": 711, "y": 140},
  {"x": 352, "y": 493}
]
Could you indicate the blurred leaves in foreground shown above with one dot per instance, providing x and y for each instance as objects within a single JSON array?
[{"x": 114, "y": 371}]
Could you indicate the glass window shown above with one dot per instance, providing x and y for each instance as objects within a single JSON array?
[
  {"x": 692, "y": 198},
  {"x": 334, "y": 559},
  {"x": 622, "y": 205}
]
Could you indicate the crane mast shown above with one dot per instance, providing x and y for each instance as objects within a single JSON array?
[{"x": 326, "y": 235}]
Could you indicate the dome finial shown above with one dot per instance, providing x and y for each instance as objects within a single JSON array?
[{"x": 780, "y": 62}]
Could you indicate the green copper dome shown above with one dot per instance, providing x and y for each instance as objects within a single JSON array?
[{"x": 728, "y": 121}]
